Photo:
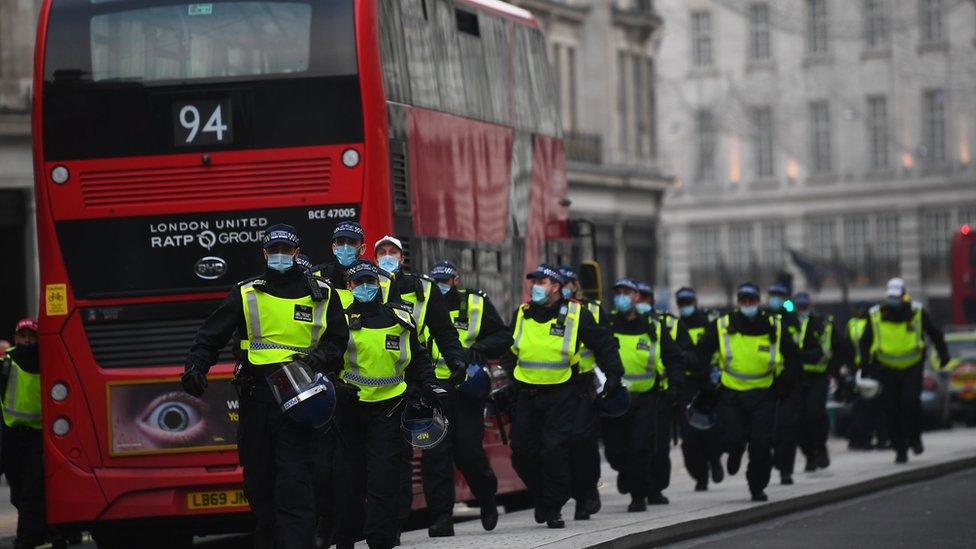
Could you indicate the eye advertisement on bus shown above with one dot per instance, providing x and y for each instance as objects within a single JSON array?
[{"x": 158, "y": 417}]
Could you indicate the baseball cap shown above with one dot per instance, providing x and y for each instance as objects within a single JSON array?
[
  {"x": 645, "y": 289},
  {"x": 626, "y": 283},
  {"x": 349, "y": 229},
  {"x": 387, "y": 239},
  {"x": 779, "y": 288},
  {"x": 544, "y": 270},
  {"x": 568, "y": 273},
  {"x": 443, "y": 270},
  {"x": 896, "y": 287},
  {"x": 26, "y": 324},
  {"x": 280, "y": 234},
  {"x": 685, "y": 294},
  {"x": 802, "y": 299},
  {"x": 748, "y": 290},
  {"x": 360, "y": 269}
]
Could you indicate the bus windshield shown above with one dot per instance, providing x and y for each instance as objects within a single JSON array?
[{"x": 202, "y": 40}]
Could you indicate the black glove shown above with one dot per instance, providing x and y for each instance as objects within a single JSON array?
[
  {"x": 436, "y": 395},
  {"x": 474, "y": 356},
  {"x": 194, "y": 380},
  {"x": 459, "y": 371},
  {"x": 611, "y": 385},
  {"x": 344, "y": 391},
  {"x": 672, "y": 395}
]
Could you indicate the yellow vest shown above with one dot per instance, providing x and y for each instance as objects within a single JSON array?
[
  {"x": 587, "y": 358},
  {"x": 641, "y": 357},
  {"x": 22, "y": 399},
  {"x": 897, "y": 345},
  {"x": 825, "y": 344},
  {"x": 346, "y": 298},
  {"x": 468, "y": 327},
  {"x": 855, "y": 329},
  {"x": 749, "y": 361},
  {"x": 278, "y": 327},
  {"x": 375, "y": 359},
  {"x": 419, "y": 305},
  {"x": 385, "y": 283},
  {"x": 546, "y": 353}
]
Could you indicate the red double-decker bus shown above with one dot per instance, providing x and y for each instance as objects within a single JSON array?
[
  {"x": 169, "y": 134},
  {"x": 964, "y": 276}
]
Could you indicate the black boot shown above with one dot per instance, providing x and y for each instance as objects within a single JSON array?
[
  {"x": 785, "y": 479},
  {"x": 759, "y": 496},
  {"x": 637, "y": 504},
  {"x": 810, "y": 466},
  {"x": 592, "y": 503},
  {"x": 443, "y": 527},
  {"x": 718, "y": 474},
  {"x": 580, "y": 513},
  {"x": 823, "y": 458},
  {"x": 701, "y": 486},
  {"x": 489, "y": 514},
  {"x": 657, "y": 498},
  {"x": 556, "y": 521},
  {"x": 901, "y": 456},
  {"x": 917, "y": 447},
  {"x": 733, "y": 463}
]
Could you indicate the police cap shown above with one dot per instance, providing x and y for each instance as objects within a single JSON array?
[
  {"x": 349, "y": 229},
  {"x": 626, "y": 283},
  {"x": 280, "y": 234},
  {"x": 443, "y": 270},
  {"x": 748, "y": 290},
  {"x": 360, "y": 269},
  {"x": 568, "y": 273},
  {"x": 685, "y": 295},
  {"x": 802, "y": 299},
  {"x": 778, "y": 288},
  {"x": 545, "y": 270}
]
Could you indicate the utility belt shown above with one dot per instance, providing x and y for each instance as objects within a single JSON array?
[
  {"x": 530, "y": 389},
  {"x": 251, "y": 383}
]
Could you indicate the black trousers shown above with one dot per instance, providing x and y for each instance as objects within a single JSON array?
[
  {"x": 638, "y": 444},
  {"x": 584, "y": 447},
  {"x": 368, "y": 471},
  {"x": 746, "y": 421},
  {"x": 902, "y": 394},
  {"x": 23, "y": 464},
  {"x": 278, "y": 456},
  {"x": 323, "y": 481},
  {"x": 699, "y": 448},
  {"x": 541, "y": 435},
  {"x": 463, "y": 447},
  {"x": 814, "y": 423},
  {"x": 868, "y": 422},
  {"x": 786, "y": 433}
]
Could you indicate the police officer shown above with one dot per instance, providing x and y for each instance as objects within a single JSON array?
[
  {"x": 814, "y": 383},
  {"x": 283, "y": 314},
  {"x": 347, "y": 245},
  {"x": 383, "y": 355},
  {"x": 789, "y": 405},
  {"x": 484, "y": 336},
  {"x": 645, "y": 304},
  {"x": 869, "y": 426},
  {"x": 584, "y": 447},
  {"x": 893, "y": 345},
  {"x": 638, "y": 443},
  {"x": 543, "y": 365},
  {"x": 702, "y": 450},
  {"x": 22, "y": 440},
  {"x": 757, "y": 357}
]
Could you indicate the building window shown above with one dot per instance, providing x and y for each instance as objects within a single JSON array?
[
  {"x": 741, "y": 258},
  {"x": 820, "y": 160},
  {"x": 701, "y": 38},
  {"x": 876, "y": 32},
  {"x": 967, "y": 216},
  {"x": 877, "y": 120},
  {"x": 762, "y": 121},
  {"x": 571, "y": 112},
  {"x": 820, "y": 242},
  {"x": 857, "y": 250},
  {"x": 934, "y": 126},
  {"x": 937, "y": 236},
  {"x": 759, "y": 36},
  {"x": 887, "y": 245},
  {"x": 639, "y": 87},
  {"x": 705, "y": 127},
  {"x": 704, "y": 259},
  {"x": 651, "y": 124},
  {"x": 622, "y": 111},
  {"x": 931, "y": 22},
  {"x": 772, "y": 250},
  {"x": 817, "y": 27}
]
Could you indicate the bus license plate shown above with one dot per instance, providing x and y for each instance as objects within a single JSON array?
[{"x": 216, "y": 499}]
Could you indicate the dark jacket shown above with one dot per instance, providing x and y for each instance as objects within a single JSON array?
[
  {"x": 379, "y": 315},
  {"x": 228, "y": 320},
  {"x": 671, "y": 352},
  {"x": 494, "y": 338},
  {"x": 438, "y": 320},
  {"x": 699, "y": 319},
  {"x": 903, "y": 313},
  {"x": 597, "y": 338}
]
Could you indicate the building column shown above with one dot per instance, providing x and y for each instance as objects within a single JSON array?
[{"x": 909, "y": 238}]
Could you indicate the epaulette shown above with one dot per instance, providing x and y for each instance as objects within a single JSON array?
[
  {"x": 477, "y": 292},
  {"x": 404, "y": 316},
  {"x": 253, "y": 281},
  {"x": 400, "y": 305}
]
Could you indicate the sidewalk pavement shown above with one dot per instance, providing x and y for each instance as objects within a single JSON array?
[{"x": 724, "y": 506}]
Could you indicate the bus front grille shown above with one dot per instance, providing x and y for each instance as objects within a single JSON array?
[
  {"x": 129, "y": 336},
  {"x": 126, "y": 187}
]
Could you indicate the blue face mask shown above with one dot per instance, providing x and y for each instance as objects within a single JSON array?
[
  {"x": 365, "y": 292},
  {"x": 388, "y": 263},
  {"x": 687, "y": 310},
  {"x": 444, "y": 288},
  {"x": 280, "y": 262},
  {"x": 892, "y": 301},
  {"x": 346, "y": 254},
  {"x": 538, "y": 294},
  {"x": 803, "y": 315},
  {"x": 644, "y": 308},
  {"x": 775, "y": 303},
  {"x": 623, "y": 303},
  {"x": 567, "y": 293},
  {"x": 749, "y": 311}
]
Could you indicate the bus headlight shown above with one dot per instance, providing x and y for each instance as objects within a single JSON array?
[
  {"x": 61, "y": 426},
  {"x": 60, "y": 175},
  {"x": 350, "y": 158},
  {"x": 59, "y": 391}
]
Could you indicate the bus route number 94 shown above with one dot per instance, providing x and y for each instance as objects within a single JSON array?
[{"x": 202, "y": 123}]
